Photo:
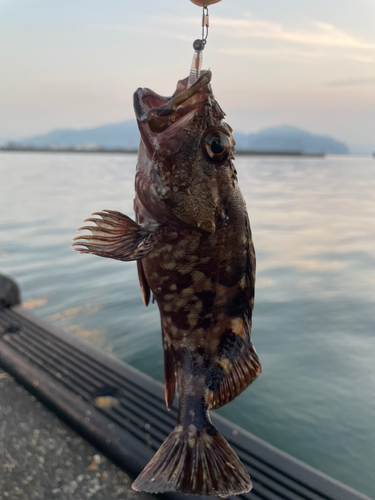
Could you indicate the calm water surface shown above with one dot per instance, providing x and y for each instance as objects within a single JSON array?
[{"x": 313, "y": 224}]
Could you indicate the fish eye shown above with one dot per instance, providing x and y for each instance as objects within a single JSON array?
[{"x": 216, "y": 145}]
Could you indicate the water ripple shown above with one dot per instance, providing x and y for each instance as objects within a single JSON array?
[{"x": 313, "y": 224}]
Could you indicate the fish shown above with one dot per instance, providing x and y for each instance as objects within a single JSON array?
[{"x": 193, "y": 246}]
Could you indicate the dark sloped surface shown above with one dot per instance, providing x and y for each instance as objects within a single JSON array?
[{"x": 69, "y": 375}]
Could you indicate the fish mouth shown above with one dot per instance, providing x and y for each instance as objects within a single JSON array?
[{"x": 160, "y": 118}]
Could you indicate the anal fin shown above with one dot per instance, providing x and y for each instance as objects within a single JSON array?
[
  {"x": 169, "y": 376},
  {"x": 115, "y": 236}
]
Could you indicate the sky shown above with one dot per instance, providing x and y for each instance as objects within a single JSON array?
[{"x": 77, "y": 63}]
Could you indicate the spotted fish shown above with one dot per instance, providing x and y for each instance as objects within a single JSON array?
[{"x": 194, "y": 252}]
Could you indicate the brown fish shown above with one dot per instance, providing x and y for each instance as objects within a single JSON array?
[{"x": 192, "y": 242}]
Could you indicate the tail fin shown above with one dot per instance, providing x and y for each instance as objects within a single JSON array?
[{"x": 196, "y": 463}]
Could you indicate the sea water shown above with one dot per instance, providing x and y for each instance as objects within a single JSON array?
[{"x": 313, "y": 223}]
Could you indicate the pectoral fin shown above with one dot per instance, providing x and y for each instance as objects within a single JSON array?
[{"x": 116, "y": 236}]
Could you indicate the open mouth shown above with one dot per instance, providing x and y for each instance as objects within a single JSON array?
[{"x": 160, "y": 113}]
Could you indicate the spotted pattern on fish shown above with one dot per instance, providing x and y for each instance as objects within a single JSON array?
[
  {"x": 211, "y": 308},
  {"x": 195, "y": 258}
]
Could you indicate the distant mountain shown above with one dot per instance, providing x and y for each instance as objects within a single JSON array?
[
  {"x": 288, "y": 138},
  {"x": 116, "y": 135},
  {"x": 126, "y": 135}
]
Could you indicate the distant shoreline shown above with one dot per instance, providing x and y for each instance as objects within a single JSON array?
[{"x": 135, "y": 151}]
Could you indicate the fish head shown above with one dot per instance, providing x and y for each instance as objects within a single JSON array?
[{"x": 186, "y": 152}]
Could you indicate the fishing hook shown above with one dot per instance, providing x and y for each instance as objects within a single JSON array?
[{"x": 199, "y": 46}]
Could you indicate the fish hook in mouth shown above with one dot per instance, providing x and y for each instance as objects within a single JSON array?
[{"x": 163, "y": 115}]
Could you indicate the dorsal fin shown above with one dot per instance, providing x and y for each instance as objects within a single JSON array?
[{"x": 237, "y": 364}]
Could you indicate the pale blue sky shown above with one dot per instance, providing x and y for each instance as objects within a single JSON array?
[{"x": 76, "y": 63}]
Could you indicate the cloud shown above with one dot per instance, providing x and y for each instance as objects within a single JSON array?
[
  {"x": 366, "y": 59},
  {"x": 273, "y": 52},
  {"x": 318, "y": 265},
  {"x": 307, "y": 55},
  {"x": 320, "y": 34},
  {"x": 351, "y": 83}
]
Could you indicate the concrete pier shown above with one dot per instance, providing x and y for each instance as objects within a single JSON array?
[{"x": 41, "y": 458}]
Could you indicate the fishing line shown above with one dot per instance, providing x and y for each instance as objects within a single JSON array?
[{"x": 200, "y": 43}]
